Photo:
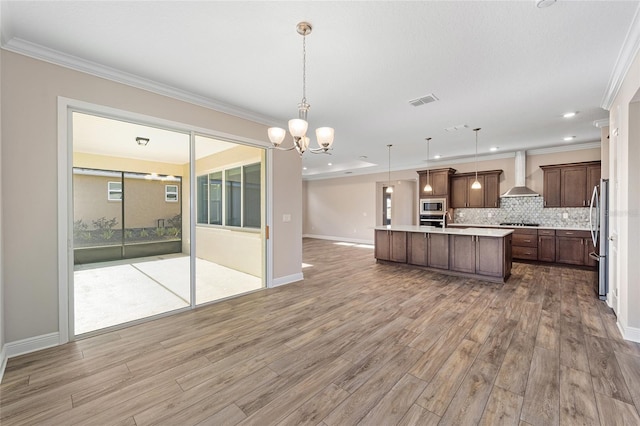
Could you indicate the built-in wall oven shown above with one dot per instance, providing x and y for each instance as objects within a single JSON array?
[{"x": 432, "y": 211}]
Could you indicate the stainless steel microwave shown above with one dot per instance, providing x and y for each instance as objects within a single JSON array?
[{"x": 433, "y": 206}]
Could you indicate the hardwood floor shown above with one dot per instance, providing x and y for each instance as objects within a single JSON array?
[{"x": 354, "y": 343}]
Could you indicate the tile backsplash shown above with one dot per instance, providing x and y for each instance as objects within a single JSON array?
[{"x": 525, "y": 209}]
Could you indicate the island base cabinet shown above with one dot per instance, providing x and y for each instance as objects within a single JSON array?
[
  {"x": 418, "y": 248},
  {"x": 490, "y": 256},
  {"x": 462, "y": 253},
  {"x": 438, "y": 254},
  {"x": 391, "y": 245},
  {"x": 430, "y": 250},
  {"x": 480, "y": 255}
]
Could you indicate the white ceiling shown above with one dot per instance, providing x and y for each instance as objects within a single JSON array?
[{"x": 506, "y": 66}]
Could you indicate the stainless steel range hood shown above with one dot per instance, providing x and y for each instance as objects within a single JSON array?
[{"x": 520, "y": 189}]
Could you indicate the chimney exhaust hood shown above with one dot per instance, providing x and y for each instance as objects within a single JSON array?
[{"x": 520, "y": 189}]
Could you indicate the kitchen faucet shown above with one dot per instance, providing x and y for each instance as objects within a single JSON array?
[{"x": 444, "y": 218}]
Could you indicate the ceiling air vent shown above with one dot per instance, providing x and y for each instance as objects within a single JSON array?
[{"x": 424, "y": 100}]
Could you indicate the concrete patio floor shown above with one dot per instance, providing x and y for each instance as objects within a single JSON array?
[{"x": 111, "y": 293}]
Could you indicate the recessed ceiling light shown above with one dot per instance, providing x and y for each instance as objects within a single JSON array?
[
  {"x": 569, "y": 114},
  {"x": 329, "y": 164},
  {"x": 569, "y": 138},
  {"x": 493, "y": 148},
  {"x": 437, "y": 156},
  {"x": 304, "y": 168},
  {"x": 363, "y": 157}
]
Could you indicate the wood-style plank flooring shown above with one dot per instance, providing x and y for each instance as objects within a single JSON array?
[{"x": 354, "y": 343}]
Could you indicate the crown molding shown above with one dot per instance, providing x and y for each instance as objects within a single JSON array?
[
  {"x": 628, "y": 52},
  {"x": 601, "y": 123},
  {"x": 55, "y": 57},
  {"x": 564, "y": 148}
]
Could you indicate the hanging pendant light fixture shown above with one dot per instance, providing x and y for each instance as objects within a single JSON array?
[
  {"x": 427, "y": 187},
  {"x": 389, "y": 187},
  {"x": 298, "y": 126},
  {"x": 476, "y": 183}
]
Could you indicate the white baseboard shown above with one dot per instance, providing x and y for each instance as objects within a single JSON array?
[
  {"x": 32, "y": 344},
  {"x": 287, "y": 280},
  {"x": 330, "y": 238},
  {"x": 3, "y": 361},
  {"x": 629, "y": 333}
]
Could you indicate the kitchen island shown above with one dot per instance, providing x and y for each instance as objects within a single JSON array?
[{"x": 482, "y": 253}]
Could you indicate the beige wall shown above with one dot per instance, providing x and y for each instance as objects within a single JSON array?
[
  {"x": 349, "y": 207},
  {"x": 144, "y": 201},
  {"x": 624, "y": 174},
  {"x": 30, "y": 91}
]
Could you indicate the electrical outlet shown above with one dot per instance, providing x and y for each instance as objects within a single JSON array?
[
  {"x": 286, "y": 218},
  {"x": 565, "y": 215},
  {"x": 490, "y": 214}
]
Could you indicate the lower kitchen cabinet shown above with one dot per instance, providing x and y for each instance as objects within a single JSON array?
[
  {"x": 525, "y": 244},
  {"x": 546, "y": 245},
  {"x": 572, "y": 247},
  {"x": 391, "y": 245},
  {"x": 425, "y": 249},
  {"x": 462, "y": 249}
]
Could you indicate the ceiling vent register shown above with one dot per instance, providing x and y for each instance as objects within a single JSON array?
[{"x": 424, "y": 100}]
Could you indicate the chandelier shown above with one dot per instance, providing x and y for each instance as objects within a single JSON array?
[{"x": 298, "y": 126}]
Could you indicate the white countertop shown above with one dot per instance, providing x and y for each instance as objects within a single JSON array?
[
  {"x": 474, "y": 225},
  {"x": 480, "y": 232}
]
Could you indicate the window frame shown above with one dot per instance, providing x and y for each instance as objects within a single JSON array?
[
  {"x": 111, "y": 191},
  {"x": 167, "y": 193},
  {"x": 206, "y": 175}
]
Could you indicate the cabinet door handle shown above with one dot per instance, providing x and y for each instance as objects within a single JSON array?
[
  {"x": 495, "y": 204},
  {"x": 545, "y": 202},
  {"x": 569, "y": 233},
  {"x": 527, "y": 241}
]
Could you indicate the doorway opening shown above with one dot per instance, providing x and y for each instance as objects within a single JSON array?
[{"x": 136, "y": 253}]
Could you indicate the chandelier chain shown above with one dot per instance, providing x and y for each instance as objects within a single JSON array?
[{"x": 304, "y": 69}]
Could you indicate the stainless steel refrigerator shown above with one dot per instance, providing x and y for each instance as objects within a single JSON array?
[{"x": 599, "y": 223}]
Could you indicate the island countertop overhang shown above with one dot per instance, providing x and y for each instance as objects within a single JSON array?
[{"x": 479, "y": 232}]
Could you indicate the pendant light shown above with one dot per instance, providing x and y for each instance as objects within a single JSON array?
[
  {"x": 476, "y": 183},
  {"x": 389, "y": 187},
  {"x": 427, "y": 187}
]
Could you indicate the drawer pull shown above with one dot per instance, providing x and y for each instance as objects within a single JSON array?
[
  {"x": 527, "y": 241},
  {"x": 569, "y": 233}
]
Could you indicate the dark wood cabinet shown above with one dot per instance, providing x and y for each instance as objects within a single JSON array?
[
  {"x": 525, "y": 244},
  {"x": 551, "y": 188},
  {"x": 439, "y": 181},
  {"x": 463, "y": 196},
  {"x": 426, "y": 249},
  {"x": 438, "y": 254},
  {"x": 570, "y": 185},
  {"x": 492, "y": 190},
  {"x": 458, "y": 192},
  {"x": 573, "y": 186},
  {"x": 462, "y": 249},
  {"x": 546, "y": 245},
  {"x": 572, "y": 247},
  {"x": 391, "y": 245},
  {"x": 480, "y": 255}
]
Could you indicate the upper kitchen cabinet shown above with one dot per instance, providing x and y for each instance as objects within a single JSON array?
[
  {"x": 439, "y": 181},
  {"x": 570, "y": 185},
  {"x": 462, "y": 196}
]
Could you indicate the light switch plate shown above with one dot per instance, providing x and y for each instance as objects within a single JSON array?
[{"x": 286, "y": 218}]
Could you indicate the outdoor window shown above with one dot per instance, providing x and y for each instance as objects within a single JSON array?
[
  {"x": 171, "y": 193},
  {"x": 114, "y": 191},
  {"x": 234, "y": 191}
]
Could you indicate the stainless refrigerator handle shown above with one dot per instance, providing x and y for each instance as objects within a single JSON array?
[{"x": 594, "y": 201}]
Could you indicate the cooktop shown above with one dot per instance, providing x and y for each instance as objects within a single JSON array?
[{"x": 519, "y": 224}]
